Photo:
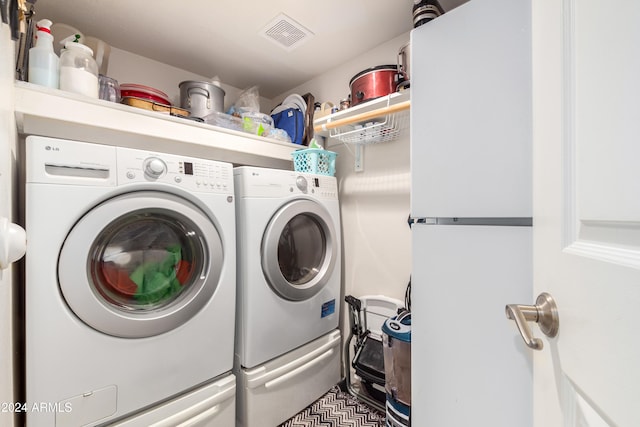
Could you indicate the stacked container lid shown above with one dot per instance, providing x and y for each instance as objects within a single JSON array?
[{"x": 144, "y": 92}]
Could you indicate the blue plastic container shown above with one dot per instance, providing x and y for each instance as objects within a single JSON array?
[
  {"x": 291, "y": 121},
  {"x": 396, "y": 339},
  {"x": 315, "y": 160},
  {"x": 397, "y": 414}
]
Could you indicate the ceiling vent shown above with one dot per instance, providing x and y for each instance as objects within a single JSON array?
[{"x": 286, "y": 33}]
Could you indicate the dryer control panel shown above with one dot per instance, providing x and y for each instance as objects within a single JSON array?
[
  {"x": 261, "y": 182},
  {"x": 316, "y": 185},
  {"x": 187, "y": 172}
]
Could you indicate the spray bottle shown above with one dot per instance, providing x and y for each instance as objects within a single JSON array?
[{"x": 43, "y": 61}]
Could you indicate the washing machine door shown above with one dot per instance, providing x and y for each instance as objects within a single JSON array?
[
  {"x": 140, "y": 264},
  {"x": 299, "y": 250}
]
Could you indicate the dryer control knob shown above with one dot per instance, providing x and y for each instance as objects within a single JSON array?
[
  {"x": 154, "y": 167},
  {"x": 301, "y": 183}
]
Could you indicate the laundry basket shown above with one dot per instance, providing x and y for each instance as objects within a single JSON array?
[{"x": 315, "y": 160}]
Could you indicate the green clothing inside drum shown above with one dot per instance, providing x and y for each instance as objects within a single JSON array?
[{"x": 157, "y": 280}]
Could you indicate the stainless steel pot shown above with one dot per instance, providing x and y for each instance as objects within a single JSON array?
[
  {"x": 404, "y": 60},
  {"x": 201, "y": 98}
]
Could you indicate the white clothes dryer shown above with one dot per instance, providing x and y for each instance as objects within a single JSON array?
[
  {"x": 289, "y": 262},
  {"x": 289, "y": 284},
  {"x": 130, "y": 279}
]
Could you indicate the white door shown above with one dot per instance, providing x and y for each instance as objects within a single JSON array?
[
  {"x": 586, "y": 127},
  {"x": 7, "y": 141}
]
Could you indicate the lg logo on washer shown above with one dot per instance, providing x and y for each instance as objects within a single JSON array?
[{"x": 50, "y": 148}]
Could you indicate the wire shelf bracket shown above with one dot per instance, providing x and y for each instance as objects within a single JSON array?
[{"x": 377, "y": 121}]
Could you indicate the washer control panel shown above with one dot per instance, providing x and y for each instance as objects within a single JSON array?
[{"x": 186, "y": 172}]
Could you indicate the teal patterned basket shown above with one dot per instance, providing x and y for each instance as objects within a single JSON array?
[{"x": 315, "y": 160}]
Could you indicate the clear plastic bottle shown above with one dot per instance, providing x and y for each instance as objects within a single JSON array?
[
  {"x": 78, "y": 70},
  {"x": 43, "y": 61}
]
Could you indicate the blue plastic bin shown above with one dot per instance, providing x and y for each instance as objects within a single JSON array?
[{"x": 315, "y": 160}]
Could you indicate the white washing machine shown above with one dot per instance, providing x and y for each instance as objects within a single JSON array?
[
  {"x": 289, "y": 290},
  {"x": 130, "y": 281}
]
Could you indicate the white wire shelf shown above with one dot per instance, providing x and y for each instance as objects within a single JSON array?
[
  {"x": 372, "y": 132},
  {"x": 376, "y": 121}
]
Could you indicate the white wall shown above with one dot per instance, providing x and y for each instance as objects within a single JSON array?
[
  {"x": 375, "y": 202},
  {"x": 127, "y": 67},
  {"x": 334, "y": 85}
]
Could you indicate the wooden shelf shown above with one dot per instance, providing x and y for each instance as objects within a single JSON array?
[{"x": 55, "y": 113}]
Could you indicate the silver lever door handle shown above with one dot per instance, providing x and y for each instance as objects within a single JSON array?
[{"x": 544, "y": 313}]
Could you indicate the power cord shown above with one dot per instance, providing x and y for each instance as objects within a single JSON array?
[{"x": 407, "y": 296}]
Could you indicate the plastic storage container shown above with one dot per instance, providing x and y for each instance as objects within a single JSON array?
[
  {"x": 78, "y": 70},
  {"x": 109, "y": 89},
  {"x": 224, "y": 120},
  {"x": 291, "y": 121},
  {"x": 257, "y": 123},
  {"x": 43, "y": 61},
  {"x": 315, "y": 160}
]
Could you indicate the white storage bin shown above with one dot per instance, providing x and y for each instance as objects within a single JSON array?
[{"x": 272, "y": 393}]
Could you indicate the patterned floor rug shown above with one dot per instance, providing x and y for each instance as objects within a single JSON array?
[{"x": 337, "y": 409}]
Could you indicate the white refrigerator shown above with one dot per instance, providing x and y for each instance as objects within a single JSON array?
[{"x": 471, "y": 206}]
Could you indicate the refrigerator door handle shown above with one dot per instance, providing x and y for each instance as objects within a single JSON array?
[
  {"x": 420, "y": 220},
  {"x": 544, "y": 313},
  {"x": 493, "y": 221}
]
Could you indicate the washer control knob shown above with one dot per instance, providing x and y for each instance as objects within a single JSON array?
[
  {"x": 301, "y": 183},
  {"x": 154, "y": 167}
]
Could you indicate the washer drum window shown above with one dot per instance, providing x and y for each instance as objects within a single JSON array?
[{"x": 140, "y": 264}]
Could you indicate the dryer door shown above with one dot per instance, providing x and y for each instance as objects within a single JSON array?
[
  {"x": 140, "y": 264},
  {"x": 299, "y": 249}
]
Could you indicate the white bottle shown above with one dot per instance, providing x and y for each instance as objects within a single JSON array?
[
  {"x": 78, "y": 70},
  {"x": 43, "y": 61}
]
